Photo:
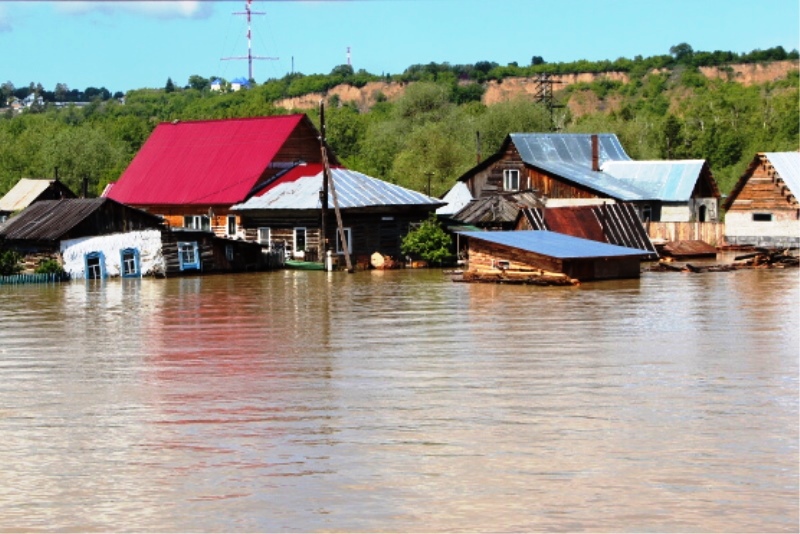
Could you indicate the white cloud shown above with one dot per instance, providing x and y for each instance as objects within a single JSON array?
[{"x": 163, "y": 9}]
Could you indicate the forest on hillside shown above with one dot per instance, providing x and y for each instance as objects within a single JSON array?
[{"x": 668, "y": 110}]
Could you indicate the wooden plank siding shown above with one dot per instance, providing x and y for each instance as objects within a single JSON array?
[{"x": 711, "y": 233}]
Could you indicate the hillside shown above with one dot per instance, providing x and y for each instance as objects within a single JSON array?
[{"x": 510, "y": 88}]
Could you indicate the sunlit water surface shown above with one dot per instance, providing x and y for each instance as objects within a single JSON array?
[{"x": 400, "y": 401}]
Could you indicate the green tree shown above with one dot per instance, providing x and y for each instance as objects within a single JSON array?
[
  {"x": 428, "y": 242},
  {"x": 169, "y": 87},
  {"x": 10, "y": 262}
]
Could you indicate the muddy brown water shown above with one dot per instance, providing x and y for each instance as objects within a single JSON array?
[{"x": 400, "y": 401}]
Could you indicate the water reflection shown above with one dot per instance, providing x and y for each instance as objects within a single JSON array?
[{"x": 400, "y": 401}]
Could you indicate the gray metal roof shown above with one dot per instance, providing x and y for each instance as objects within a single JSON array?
[
  {"x": 669, "y": 181},
  {"x": 353, "y": 190},
  {"x": 555, "y": 245},
  {"x": 570, "y": 156},
  {"x": 787, "y": 165}
]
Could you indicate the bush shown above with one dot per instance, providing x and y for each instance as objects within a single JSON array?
[
  {"x": 50, "y": 267},
  {"x": 10, "y": 263},
  {"x": 428, "y": 242}
]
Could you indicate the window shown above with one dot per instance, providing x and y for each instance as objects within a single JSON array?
[
  {"x": 95, "y": 265},
  {"x": 299, "y": 239},
  {"x": 129, "y": 263},
  {"x": 762, "y": 217},
  {"x": 511, "y": 180},
  {"x": 197, "y": 222},
  {"x": 231, "y": 225},
  {"x": 188, "y": 258},
  {"x": 647, "y": 212},
  {"x": 229, "y": 252},
  {"x": 264, "y": 236},
  {"x": 348, "y": 239}
]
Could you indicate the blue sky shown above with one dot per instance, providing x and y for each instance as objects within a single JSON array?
[{"x": 122, "y": 45}]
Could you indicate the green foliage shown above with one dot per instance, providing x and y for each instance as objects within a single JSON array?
[
  {"x": 49, "y": 267},
  {"x": 428, "y": 241},
  {"x": 10, "y": 263}
]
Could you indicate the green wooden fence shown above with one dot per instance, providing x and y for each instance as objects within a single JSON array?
[{"x": 34, "y": 278}]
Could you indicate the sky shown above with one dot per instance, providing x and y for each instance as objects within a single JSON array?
[{"x": 124, "y": 45}]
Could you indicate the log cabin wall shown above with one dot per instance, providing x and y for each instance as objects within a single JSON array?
[{"x": 485, "y": 255}]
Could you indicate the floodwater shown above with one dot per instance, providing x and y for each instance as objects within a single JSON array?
[{"x": 400, "y": 401}]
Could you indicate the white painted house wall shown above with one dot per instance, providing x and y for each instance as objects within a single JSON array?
[
  {"x": 741, "y": 229},
  {"x": 147, "y": 242}
]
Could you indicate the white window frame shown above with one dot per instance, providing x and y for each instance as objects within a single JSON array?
[
  {"x": 509, "y": 177},
  {"x": 197, "y": 222},
  {"x": 294, "y": 239},
  {"x": 265, "y": 231},
  {"x": 348, "y": 236}
]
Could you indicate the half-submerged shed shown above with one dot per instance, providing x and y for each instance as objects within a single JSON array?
[
  {"x": 763, "y": 208},
  {"x": 531, "y": 250}
]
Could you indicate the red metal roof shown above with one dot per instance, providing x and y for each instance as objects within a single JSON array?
[{"x": 203, "y": 162}]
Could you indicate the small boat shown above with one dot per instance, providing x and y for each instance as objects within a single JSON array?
[{"x": 302, "y": 265}]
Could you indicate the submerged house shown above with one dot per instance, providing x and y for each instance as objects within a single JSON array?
[
  {"x": 192, "y": 172},
  {"x": 29, "y": 190},
  {"x": 288, "y": 214},
  {"x": 763, "y": 209},
  {"x": 99, "y": 238},
  {"x": 530, "y": 250},
  {"x": 575, "y": 169}
]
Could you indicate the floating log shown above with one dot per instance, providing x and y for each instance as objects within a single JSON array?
[{"x": 532, "y": 277}]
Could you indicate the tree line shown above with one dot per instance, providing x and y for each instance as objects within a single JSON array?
[{"x": 436, "y": 130}]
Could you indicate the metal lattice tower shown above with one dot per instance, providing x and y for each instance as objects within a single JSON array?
[
  {"x": 249, "y": 57},
  {"x": 543, "y": 93}
]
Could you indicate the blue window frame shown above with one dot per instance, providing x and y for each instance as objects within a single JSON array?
[
  {"x": 129, "y": 263},
  {"x": 188, "y": 255},
  {"x": 94, "y": 265}
]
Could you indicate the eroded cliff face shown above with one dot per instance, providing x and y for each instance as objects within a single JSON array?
[{"x": 510, "y": 88}]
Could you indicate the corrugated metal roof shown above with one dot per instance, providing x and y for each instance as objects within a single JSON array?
[
  {"x": 570, "y": 156},
  {"x": 203, "y": 162},
  {"x": 669, "y": 181},
  {"x": 787, "y": 165},
  {"x": 48, "y": 220},
  {"x": 299, "y": 189},
  {"x": 617, "y": 224},
  {"x": 458, "y": 197},
  {"x": 555, "y": 245},
  {"x": 24, "y": 193}
]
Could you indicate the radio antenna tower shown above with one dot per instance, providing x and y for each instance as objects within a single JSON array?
[{"x": 249, "y": 57}]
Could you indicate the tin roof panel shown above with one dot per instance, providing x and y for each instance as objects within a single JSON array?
[{"x": 555, "y": 245}]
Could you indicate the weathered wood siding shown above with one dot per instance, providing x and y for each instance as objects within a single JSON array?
[{"x": 710, "y": 232}]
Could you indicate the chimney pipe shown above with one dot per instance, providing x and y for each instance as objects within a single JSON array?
[{"x": 595, "y": 154}]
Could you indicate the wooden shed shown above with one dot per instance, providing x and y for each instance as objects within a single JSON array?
[
  {"x": 529, "y": 250},
  {"x": 763, "y": 208}
]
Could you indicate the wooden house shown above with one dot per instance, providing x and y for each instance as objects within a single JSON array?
[
  {"x": 531, "y": 250},
  {"x": 574, "y": 169},
  {"x": 29, "y": 190},
  {"x": 763, "y": 209},
  {"x": 288, "y": 214},
  {"x": 99, "y": 238},
  {"x": 192, "y": 172}
]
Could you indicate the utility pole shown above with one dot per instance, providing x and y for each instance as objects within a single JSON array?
[
  {"x": 249, "y": 57},
  {"x": 429, "y": 174}
]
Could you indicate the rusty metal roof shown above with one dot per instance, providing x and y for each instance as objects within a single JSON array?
[
  {"x": 616, "y": 224},
  {"x": 556, "y": 245}
]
